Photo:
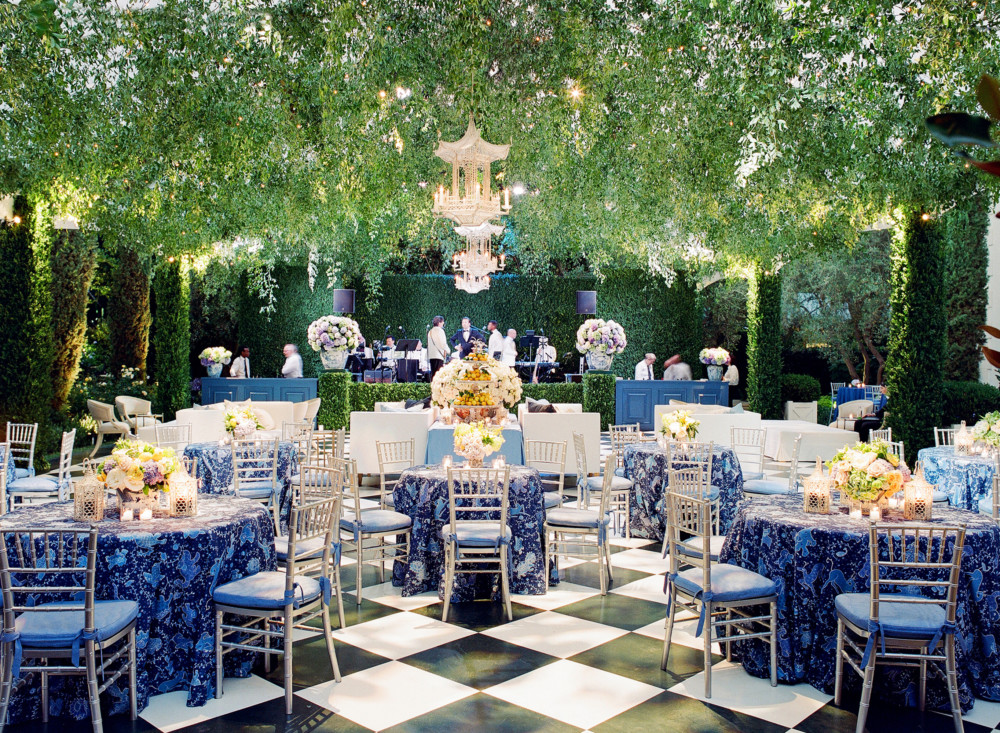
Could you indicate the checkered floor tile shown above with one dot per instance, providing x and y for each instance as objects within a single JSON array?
[{"x": 571, "y": 660}]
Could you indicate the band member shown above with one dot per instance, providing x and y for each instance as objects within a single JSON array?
[
  {"x": 437, "y": 345},
  {"x": 463, "y": 338},
  {"x": 509, "y": 354},
  {"x": 546, "y": 352},
  {"x": 495, "y": 347}
]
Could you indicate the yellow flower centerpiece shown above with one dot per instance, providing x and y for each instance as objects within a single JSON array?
[{"x": 868, "y": 473}]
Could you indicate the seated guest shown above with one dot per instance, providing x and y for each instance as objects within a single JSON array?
[
  {"x": 546, "y": 353},
  {"x": 293, "y": 362},
  {"x": 437, "y": 345},
  {"x": 644, "y": 369},
  {"x": 495, "y": 347},
  {"x": 864, "y": 425},
  {"x": 240, "y": 368},
  {"x": 463, "y": 339},
  {"x": 509, "y": 354},
  {"x": 676, "y": 370}
]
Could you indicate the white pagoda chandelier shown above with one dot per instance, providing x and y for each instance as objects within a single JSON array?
[{"x": 471, "y": 203}]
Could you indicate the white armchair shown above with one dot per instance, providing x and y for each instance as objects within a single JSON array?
[
  {"x": 559, "y": 427},
  {"x": 717, "y": 421},
  {"x": 369, "y": 427},
  {"x": 136, "y": 412},
  {"x": 107, "y": 423},
  {"x": 856, "y": 408}
]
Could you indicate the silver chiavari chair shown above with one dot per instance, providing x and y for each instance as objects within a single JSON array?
[
  {"x": 173, "y": 436},
  {"x": 48, "y": 487},
  {"x": 944, "y": 436},
  {"x": 548, "y": 457},
  {"x": 582, "y": 533},
  {"x": 394, "y": 457},
  {"x": 883, "y": 435},
  {"x": 255, "y": 473},
  {"x": 748, "y": 445},
  {"x": 21, "y": 437}
]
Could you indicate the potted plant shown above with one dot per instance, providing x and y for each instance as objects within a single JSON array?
[
  {"x": 714, "y": 360},
  {"x": 213, "y": 358}
]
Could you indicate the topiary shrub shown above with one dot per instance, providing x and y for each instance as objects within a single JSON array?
[
  {"x": 764, "y": 343},
  {"x": 799, "y": 388},
  {"x": 823, "y": 409},
  {"x": 171, "y": 338},
  {"x": 968, "y": 401},
  {"x": 599, "y": 396},
  {"x": 333, "y": 389},
  {"x": 128, "y": 314}
]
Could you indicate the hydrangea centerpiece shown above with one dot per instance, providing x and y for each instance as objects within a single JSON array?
[
  {"x": 242, "y": 423},
  {"x": 868, "y": 472},
  {"x": 334, "y": 333},
  {"x": 475, "y": 441},
  {"x": 714, "y": 356},
  {"x": 604, "y": 337},
  {"x": 988, "y": 429}
]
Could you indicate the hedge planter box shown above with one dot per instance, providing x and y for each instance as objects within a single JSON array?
[{"x": 801, "y": 411}]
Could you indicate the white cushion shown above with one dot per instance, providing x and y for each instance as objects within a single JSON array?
[
  {"x": 618, "y": 483},
  {"x": 227, "y": 405},
  {"x": 264, "y": 418}
]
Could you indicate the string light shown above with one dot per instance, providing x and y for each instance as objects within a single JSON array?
[
  {"x": 576, "y": 92},
  {"x": 17, "y": 220},
  {"x": 925, "y": 217}
]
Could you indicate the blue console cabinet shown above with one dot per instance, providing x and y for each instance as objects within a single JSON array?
[
  {"x": 635, "y": 400},
  {"x": 217, "y": 389}
]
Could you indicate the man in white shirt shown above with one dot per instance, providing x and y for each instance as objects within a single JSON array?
[
  {"x": 644, "y": 369},
  {"x": 546, "y": 353},
  {"x": 293, "y": 362},
  {"x": 241, "y": 365},
  {"x": 676, "y": 370},
  {"x": 388, "y": 353},
  {"x": 508, "y": 355},
  {"x": 495, "y": 346},
  {"x": 732, "y": 376},
  {"x": 437, "y": 345}
]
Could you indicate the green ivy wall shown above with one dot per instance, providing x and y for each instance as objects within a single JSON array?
[{"x": 764, "y": 343}]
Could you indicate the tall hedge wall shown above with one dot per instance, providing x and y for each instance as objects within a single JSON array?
[
  {"x": 764, "y": 343},
  {"x": 128, "y": 314},
  {"x": 170, "y": 341},
  {"x": 917, "y": 332},
  {"x": 656, "y": 318},
  {"x": 966, "y": 273}
]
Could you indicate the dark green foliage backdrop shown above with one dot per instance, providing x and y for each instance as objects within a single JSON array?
[
  {"x": 655, "y": 317},
  {"x": 73, "y": 266},
  {"x": 917, "y": 332},
  {"x": 599, "y": 396},
  {"x": 171, "y": 339},
  {"x": 799, "y": 388},
  {"x": 128, "y": 314},
  {"x": 968, "y": 401},
  {"x": 965, "y": 276},
  {"x": 764, "y": 343},
  {"x": 15, "y": 315}
]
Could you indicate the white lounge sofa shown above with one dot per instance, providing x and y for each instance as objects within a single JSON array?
[
  {"x": 208, "y": 422},
  {"x": 716, "y": 420},
  {"x": 368, "y": 427},
  {"x": 561, "y": 407},
  {"x": 560, "y": 427}
]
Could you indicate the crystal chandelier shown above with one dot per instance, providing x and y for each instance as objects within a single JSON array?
[{"x": 471, "y": 204}]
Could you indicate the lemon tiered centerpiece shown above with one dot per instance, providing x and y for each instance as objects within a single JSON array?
[{"x": 477, "y": 388}]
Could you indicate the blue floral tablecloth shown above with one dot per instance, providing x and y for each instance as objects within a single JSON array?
[
  {"x": 422, "y": 494},
  {"x": 215, "y": 470},
  {"x": 967, "y": 479},
  {"x": 813, "y": 558},
  {"x": 850, "y": 394},
  {"x": 170, "y": 568},
  {"x": 6, "y": 464},
  {"x": 646, "y": 465}
]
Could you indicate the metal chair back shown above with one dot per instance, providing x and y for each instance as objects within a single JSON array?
[
  {"x": 348, "y": 470},
  {"x": 944, "y": 436},
  {"x": 478, "y": 496},
  {"x": 689, "y": 516},
  {"x": 173, "y": 436},
  {"x": 683, "y": 455},
  {"x": 394, "y": 457},
  {"x": 621, "y": 436},
  {"x": 897, "y": 449},
  {"x": 548, "y": 457},
  {"x": 327, "y": 444},
  {"x": 884, "y": 435},
  {"x": 319, "y": 518},
  {"x": 255, "y": 461},
  {"x": 834, "y": 387},
  {"x": 4, "y": 458},
  {"x": 873, "y": 392},
  {"x": 21, "y": 437},
  {"x": 748, "y": 445}
]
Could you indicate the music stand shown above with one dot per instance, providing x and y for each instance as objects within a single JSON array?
[
  {"x": 530, "y": 342},
  {"x": 409, "y": 370}
]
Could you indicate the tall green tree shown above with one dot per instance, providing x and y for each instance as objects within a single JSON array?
[
  {"x": 172, "y": 337},
  {"x": 764, "y": 342},
  {"x": 965, "y": 287},
  {"x": 73, "y": 266},
  {"x": 128, "y": 314}
]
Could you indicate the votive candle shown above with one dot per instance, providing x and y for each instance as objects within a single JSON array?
[{"x": 876, "y": 514}]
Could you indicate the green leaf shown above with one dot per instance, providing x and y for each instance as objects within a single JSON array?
[
  {"x": 958, "y": 128},
  {"x": 988, "y": 94},
  {"x": 990, "y": 166}
]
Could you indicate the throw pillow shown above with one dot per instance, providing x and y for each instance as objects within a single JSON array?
[
  {"x": 737, "y": 409},
  {"x": 227, "y": 405},
  {"x": 423, "y": 404},
  {"x": 264, "y": 418},
  {"x": 539, "y": 405}
]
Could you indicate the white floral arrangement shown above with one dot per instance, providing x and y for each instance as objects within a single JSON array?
[
  {"x": 714, "y": 357},
  {"x": 503, "y": 387},
  {"x": 988, "y": 429},
  {"x": 604, "y": 337},
  {"x": 475, "y": 441},
  {"x": 214, "y": 355},
  {"x": 334, "y": 333},
  {"x": 679, "y": 425},
  {"x": 135, "y": 465},
  {"x": 242, "y": 423}
]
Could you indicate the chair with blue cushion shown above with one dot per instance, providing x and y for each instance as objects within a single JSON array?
[
  {"x": 586, "y": 482},
  {"x": 694, "y": 482},
  {"x": 255, "y": 473},
  {"x": 287, "y": 599},
  {"x": 4, "y": 458},
  {"x": 477, "y": 537},
  {"x": 772, "y": 486},
  {"x": 834, "y": 388},
  {"x": 61, "y": 636},
  {"x": 621, "y": 437},
  {"x": 990, "y": 504},
  {"x": 48, "y": 487},
  {"x": 21, "y": 437},
  {"x": 394, "y": 457},
  {"x": 726, "y": 598},
  {"x": 372, "y": 535},
  {"x": 548, "y": 457},
  {"x": 908, "y": 618},
  {"x": 582, "y": 532},
  {"x": 748, "y": 445}
]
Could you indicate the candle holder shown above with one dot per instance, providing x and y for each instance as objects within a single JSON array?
[
  {"x": 816, "y": 496},
  {"x": 918, "y": 497},
  {"x": 89, "y": 495},
  {"x": 964, "y": 441},
  {"x": 183, "y": 496}
]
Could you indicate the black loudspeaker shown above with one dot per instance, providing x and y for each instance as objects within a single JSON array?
[
  {"x": 586, "y": 302},
  {"x": 343, "y": 301}
]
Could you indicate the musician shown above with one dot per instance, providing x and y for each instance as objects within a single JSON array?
[
  {"x": 463, "y": 338},
  {"x": 495, "y": 347},
  {"x": 508, "y": 355},
  {"x": 546, "y": 353},
  {"x": 388, "y": 352},
  {"x": 437, "y": 345}
]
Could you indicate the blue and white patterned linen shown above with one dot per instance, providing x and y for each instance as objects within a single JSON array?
[
  {"x": 215, "y": 469},
  {"x": 422, "y": 495},
  {"x": 967, "y": 479},
  {"x": 814, "y": 557},
  {"x": 169, "y": 567},
  {"x": 646, "y": 465},
  {"x": 6, "y": 461}
]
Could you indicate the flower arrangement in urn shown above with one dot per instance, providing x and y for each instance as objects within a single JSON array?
[
  {"x": 600, "y": 340},
  {"x": 714, "y": 359},
  {"x": 475, "y": 441},
  {"x": 333, "y": 337},
  {"x": 242, "y": 423},
  {"x": 868, "y": 473},
  {"x": 478, "y": 381},
  {"x": 213, "y": 358},
  {"x": 679, "y": 425},
  {"x": 987, "y": 429},
  {"x": 137, "y": 470}
]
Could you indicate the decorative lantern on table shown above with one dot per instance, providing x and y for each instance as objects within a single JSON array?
[
  {"x": 964, "y": 441},
  {"x": 918, "y": 497},
  {"x": 183, "y": 496},
  {"x": 817, "y": 491},
  {"x": 89, "y": 495}
]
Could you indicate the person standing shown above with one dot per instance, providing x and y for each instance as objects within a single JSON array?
[
  {"x": 437, "y": 345},
  {"x": 676, "y": 370},
  {"x": 241, "y": 365},
  {"x": 644, "y": 369},
  {"x": 293, "y": 362},
  {"x": 495, "y": 346},
  {"x": 463, "y": 338},
  {"x": 508, "y": 355}
]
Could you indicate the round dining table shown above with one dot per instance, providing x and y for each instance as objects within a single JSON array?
[
  {"x": 967, "y": 479},
  {"x": 647, "y": 465},
  {"x": 422, "y": 494},
  {"x": 170, "y": 567},
  {"x": 814, "y": 557}
]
